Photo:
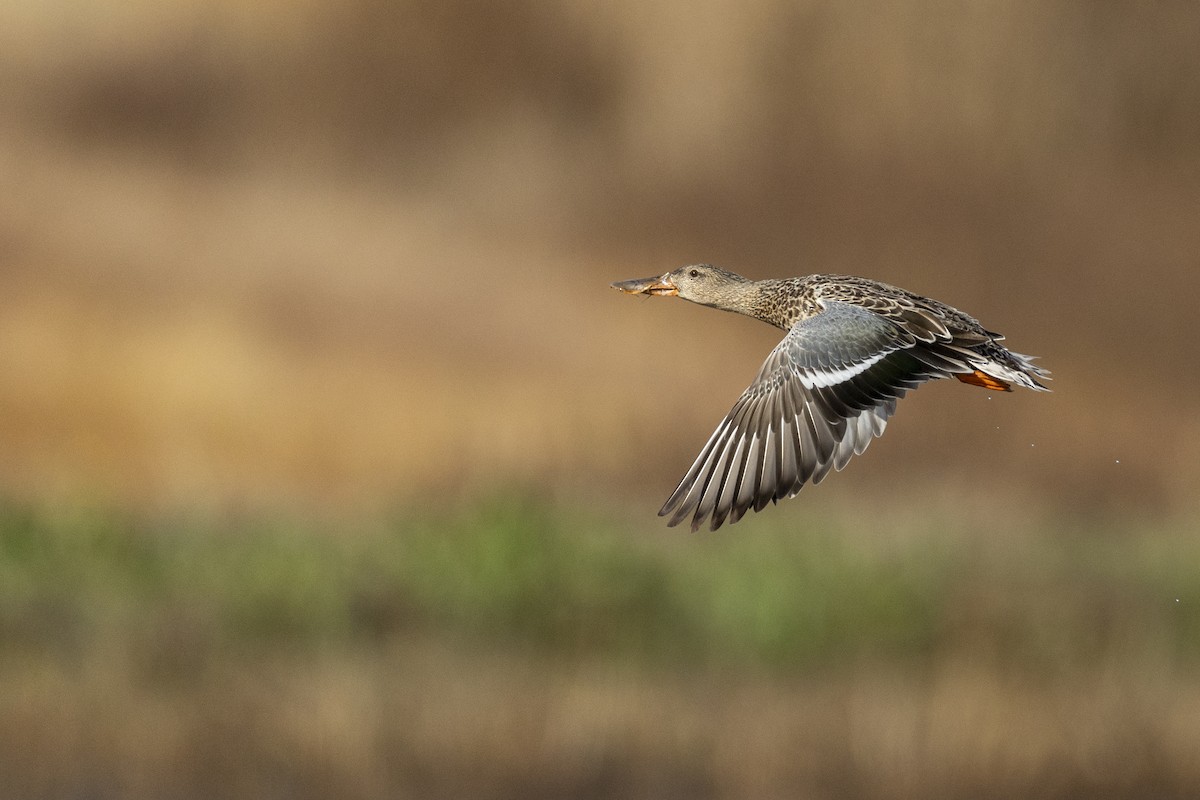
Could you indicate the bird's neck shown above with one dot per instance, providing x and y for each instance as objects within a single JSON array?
[{"x": 756, "y": 299}]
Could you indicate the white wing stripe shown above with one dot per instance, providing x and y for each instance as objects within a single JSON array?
[{"x": 823, "y": 378}]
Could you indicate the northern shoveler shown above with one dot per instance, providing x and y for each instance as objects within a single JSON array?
[{"x": 853, "y": 348}]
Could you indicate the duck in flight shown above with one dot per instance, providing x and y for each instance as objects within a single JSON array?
[{"x": 853, "y": 347}]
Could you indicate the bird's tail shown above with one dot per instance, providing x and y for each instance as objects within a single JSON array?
[{"x": 1000, "y": 369}]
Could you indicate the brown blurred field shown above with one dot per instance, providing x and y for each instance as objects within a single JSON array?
[{"x": 346, "y": 262}]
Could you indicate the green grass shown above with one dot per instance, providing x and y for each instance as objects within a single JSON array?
[
  {"x": 532, "y": 575},
  {"x": 517, "y": 647}
]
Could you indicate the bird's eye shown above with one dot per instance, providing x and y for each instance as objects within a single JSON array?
[{"x": 695, "y": 273}]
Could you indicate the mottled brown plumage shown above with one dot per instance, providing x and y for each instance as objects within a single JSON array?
[{"x": 853, "y": 347}]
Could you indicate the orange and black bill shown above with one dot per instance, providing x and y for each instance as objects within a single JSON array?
[{"x": 661, "y": 285}]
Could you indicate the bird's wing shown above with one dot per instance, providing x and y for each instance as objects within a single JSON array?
[{"x": 824, "y": 392}]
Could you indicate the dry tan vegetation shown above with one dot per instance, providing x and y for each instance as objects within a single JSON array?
[
  {"x": 514, "y": 727},
  {"x": 341, "y": 253}
]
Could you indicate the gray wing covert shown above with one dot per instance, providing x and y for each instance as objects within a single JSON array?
[{"x": 823, "y": 393}]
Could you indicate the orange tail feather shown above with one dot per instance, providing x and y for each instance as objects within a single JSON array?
[{"x": 982, "y": 379}]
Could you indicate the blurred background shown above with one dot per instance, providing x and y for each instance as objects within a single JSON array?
[{"x": 330, "y": 462}]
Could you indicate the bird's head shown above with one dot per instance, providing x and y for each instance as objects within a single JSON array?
[{"x": 700, "y": 283}]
